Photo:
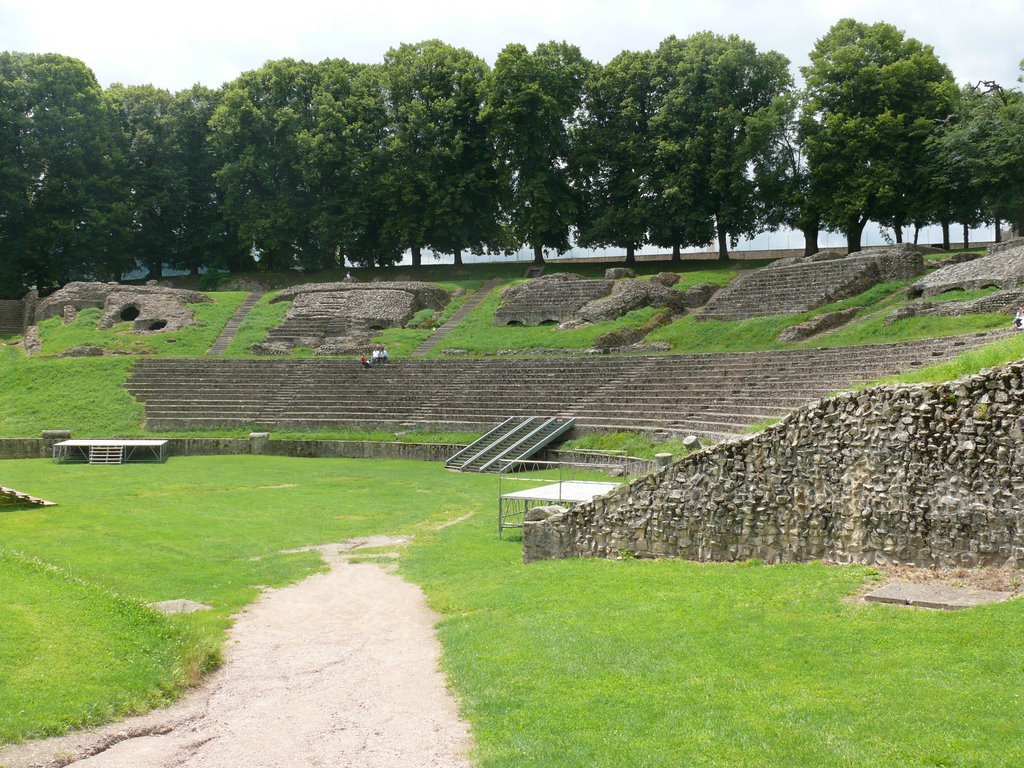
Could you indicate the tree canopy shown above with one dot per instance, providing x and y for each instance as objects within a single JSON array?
[{"x": 316, "y": 165}]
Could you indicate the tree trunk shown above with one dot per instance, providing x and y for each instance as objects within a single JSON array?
[
  {"x": 917, "y": 231},
  {"x": 723, "y": 241},
  {"x": 967, "y": 238},
  {"x": 194, "y": 271},
  {"x": 538, "y": 254},
  {"x": 999, "y": 235},
  {"x": 631, "y": 254},
  {"x": 458, "y": 257},
  {"x": 156, "y": 269},
  {"x": 854, "y": 230},
  {"x": 677, "y": 253},
  {"x": 945, "y": 234},
  {"x": 810, "y": 240},
  {"x": 417, "y": 256},
  {"x": 898, "y": 234}
]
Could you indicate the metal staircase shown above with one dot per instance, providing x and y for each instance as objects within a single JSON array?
[{"x": 515, "y": 438}]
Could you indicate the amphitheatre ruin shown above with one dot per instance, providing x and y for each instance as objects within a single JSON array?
[{"x": 793, "y": 452}]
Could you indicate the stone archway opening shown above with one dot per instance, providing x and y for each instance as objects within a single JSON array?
[{"x": 129, "y": 313}]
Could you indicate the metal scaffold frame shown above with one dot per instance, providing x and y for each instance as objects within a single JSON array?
[
  {"x": 131, "y": 450},
  {"x": 552, "y": 482}
]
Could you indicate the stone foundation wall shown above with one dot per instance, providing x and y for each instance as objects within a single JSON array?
[{"x": 928, "y": 475}]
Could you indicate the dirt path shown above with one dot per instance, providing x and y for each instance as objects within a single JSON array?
[{"x": 337, "y": 670}]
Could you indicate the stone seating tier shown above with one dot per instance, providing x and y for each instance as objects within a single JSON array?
[
  {"x": 789, "y": 288},
  {"x": 712, "y": 395}
]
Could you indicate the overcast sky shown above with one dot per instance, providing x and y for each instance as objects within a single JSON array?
[{"x": 176, "y": 44}]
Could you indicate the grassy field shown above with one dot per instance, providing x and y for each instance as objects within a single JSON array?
[{"x": 556, "y": 664}]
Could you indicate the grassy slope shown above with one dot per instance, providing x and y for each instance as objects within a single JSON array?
[{"x": 558, "y": 664}]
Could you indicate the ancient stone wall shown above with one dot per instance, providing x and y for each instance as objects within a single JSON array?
[
  {"x": 929, "y": 475},
  {"x": 549, "y": 299},
  {"x": 148, "y": 307}
]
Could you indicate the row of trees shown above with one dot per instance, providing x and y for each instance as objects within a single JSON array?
[{"x": 704, "y": 139}]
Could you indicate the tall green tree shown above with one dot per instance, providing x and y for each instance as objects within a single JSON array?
[
  {"x": 203, "y": 237},
  {"x": 533, "y": 103},
  {"x": 877, "y": 97},
  {"x": 443, "y": 177},
  {"x": 57, "y": 171},
  {"x": 979, "y": 157},
  {"x": 714, "y": 86},
  {"x": 615, "y": 154},
  {"x": 346, "y": 160},
  {"x": 153, "y": 178},
  {"x": 778, "y": 146},
  {"x": 255, "y": 130}
]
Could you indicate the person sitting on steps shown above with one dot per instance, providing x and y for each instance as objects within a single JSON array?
[
  {"x": 366, "y": 363},
  {"x": 1018, "y": 319}
]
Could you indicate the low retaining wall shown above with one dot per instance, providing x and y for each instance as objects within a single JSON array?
[
  {"x": 928, "y": 475},
  {"x": 38, "y": 448}
]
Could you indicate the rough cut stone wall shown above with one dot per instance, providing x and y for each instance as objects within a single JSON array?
[{"x": 929, "y": 475}]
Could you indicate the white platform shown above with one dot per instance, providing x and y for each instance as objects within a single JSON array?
[
  {"x": 574, "y": 491},
  {"x": 131, "y": 450}
]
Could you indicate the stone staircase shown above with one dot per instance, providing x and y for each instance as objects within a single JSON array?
[
  {"x": 232, "y": 326},
  {"x": 470, "y": 304},
  {"x": 710, "y": 395}
]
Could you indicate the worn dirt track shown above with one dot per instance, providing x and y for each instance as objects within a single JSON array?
[{"x": 338, "y": 670}]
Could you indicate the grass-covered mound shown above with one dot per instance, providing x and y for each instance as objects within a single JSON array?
[
  {"x": 562, "y": 663},
  {"x": 73, "y": 653}
]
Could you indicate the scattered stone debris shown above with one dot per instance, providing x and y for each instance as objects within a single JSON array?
[
  {"x": 171, "y": 607},
  {"x": 667, "y": 279},
  {"x": 619, "y": 273}
]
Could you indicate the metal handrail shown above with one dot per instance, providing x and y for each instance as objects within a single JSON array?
[
  {"x": 480, "y": 439},
  {"x": 569, "y": 424},
  {"x": 525, "y": 423},
  {"x": 515, "y": 445}
]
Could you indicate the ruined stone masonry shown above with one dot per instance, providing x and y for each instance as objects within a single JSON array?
[
  {"x": 1001, "y": 266},
  {"x": 799, "y": 284},
  {"x": 147, "y": 307},
  {"x": 340, "y": 318},
  {"x": 927, "y": 475}
]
